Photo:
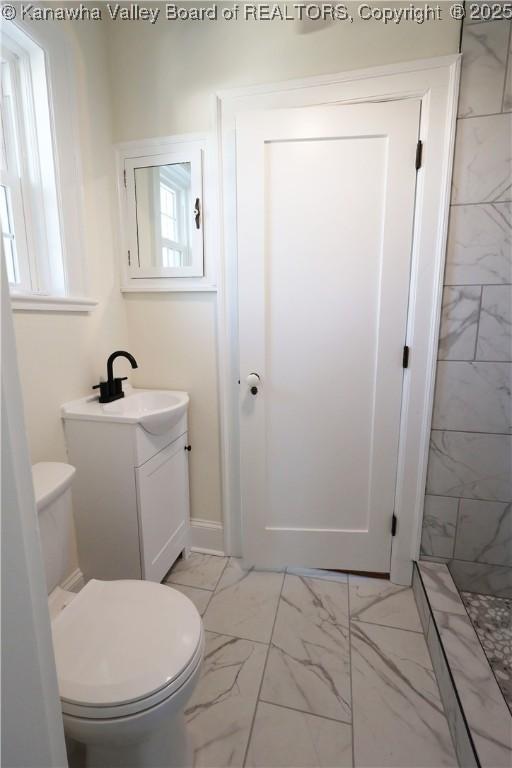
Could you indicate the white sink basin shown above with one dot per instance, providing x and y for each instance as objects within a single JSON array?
[{"x": 156, "y": 410}]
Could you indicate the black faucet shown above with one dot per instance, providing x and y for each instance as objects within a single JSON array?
[{"x": 112, "y": 389}]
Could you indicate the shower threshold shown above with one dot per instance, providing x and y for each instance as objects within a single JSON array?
[{"x": 480, "y": 720}]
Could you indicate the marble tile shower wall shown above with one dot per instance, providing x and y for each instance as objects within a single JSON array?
[{"x": 468, "y": 512}]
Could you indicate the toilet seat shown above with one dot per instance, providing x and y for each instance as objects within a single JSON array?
[
  {"x": 138, "y": 706},
  {"x": 124, "y": 646}
]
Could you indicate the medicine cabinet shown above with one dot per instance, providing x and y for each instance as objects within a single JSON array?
[{"x": 161, "y": 191}]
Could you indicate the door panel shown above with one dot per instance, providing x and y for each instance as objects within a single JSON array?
[{"x": 325, "y": 214}]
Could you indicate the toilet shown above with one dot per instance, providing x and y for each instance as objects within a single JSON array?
[{"x": 128, "y": 653}]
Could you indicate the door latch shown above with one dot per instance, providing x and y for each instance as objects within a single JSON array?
[{"x": 197, "y": 213}]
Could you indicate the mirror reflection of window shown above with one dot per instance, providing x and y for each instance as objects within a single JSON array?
[{"x": 164, "y": 215}]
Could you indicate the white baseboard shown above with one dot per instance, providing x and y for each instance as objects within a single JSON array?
[
  {"x": 74, "y": 582},
  {"x": 206, "y": 536}
]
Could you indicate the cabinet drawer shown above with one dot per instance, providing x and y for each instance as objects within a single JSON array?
[{"x": 163, "y": 508}]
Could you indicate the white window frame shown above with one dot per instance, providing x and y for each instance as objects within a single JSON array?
[
  {"x": 55, "y": 231},
  {"x": 192, "y": 148}
]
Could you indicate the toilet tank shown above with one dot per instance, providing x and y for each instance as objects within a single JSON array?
[{"x": 52, "y": 488}]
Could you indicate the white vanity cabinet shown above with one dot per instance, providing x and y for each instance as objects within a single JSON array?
[{"x": 130, "y": 495}]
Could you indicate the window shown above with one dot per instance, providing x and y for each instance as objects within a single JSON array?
[
  {"x": 6, "y": 217},
  {"x": 29, "y": 213},
  {"x": 40, "y": 177}
]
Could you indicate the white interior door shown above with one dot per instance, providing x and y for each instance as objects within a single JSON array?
[{"x": 325, "y": 203}]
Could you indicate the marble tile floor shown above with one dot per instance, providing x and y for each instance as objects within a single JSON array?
[{"x": 310, "y": 668}]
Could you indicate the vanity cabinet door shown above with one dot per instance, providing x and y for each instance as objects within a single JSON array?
[{"x": 163, "y": 508}]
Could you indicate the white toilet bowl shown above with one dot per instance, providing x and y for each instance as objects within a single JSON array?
[{"x": 128, "y": 656}]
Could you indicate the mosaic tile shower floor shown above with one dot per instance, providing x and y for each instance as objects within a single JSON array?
[{"x": 492, "y": 619}]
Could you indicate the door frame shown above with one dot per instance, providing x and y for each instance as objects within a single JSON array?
[{"x": 435, "y": 82}]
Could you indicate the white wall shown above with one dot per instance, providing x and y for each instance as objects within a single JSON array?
[
  {"x": 165, "y": 74},
  {"x": 173, "y": 339},
  {"x": 62, "y": 355},
  {"x": 164, "y": 77}
]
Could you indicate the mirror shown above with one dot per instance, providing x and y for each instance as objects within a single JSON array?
[
  {"x": 162, "y": 214},
  {"x": 165, "y": 216}
]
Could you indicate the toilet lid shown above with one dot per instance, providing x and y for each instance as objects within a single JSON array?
[{"x": 120, "y": 641}]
